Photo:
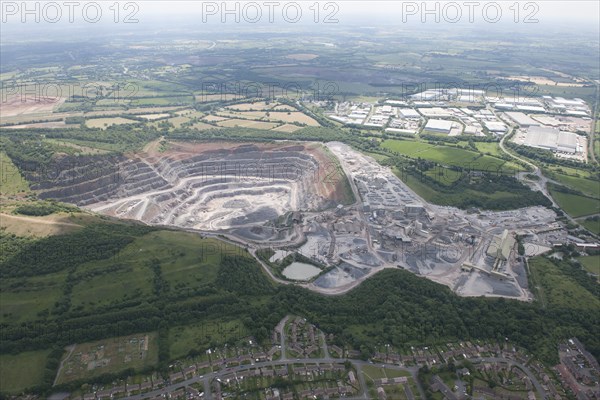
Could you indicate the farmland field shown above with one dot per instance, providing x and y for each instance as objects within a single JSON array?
[
  {"x": 591, "y": 264},
  {"x": 160, "y": 101},
  {"x": 561, "y": 169},
  {"x": 557, "y": 289},
  {"x": 287, "y": 128},
  {"x": 464, "y": 196},
  {"x": 18, "y": 105},
  {"x": 259, "y": 105},
  {"x": 586, "y": 186},
  {"x": 214, "y": 118},
  {"x": 287, "y": 117},
  {"x": 190, "y": 113},
  {"x": 575, "y": 205},
  {"x": 208, "y": 97},
  {"x": 202, "y": 125},
  {"x": 591, "y": 225},
  {"x": 230, "y": 123},
  {"x": 448, "y": 155},
  {"x": 492, "y": 148},
  {"x": 178, "y": 121},
  {"x": 151, "y": 117},
  {"x": 406, "y": 147},
  {"x": 105, "y": 122}
]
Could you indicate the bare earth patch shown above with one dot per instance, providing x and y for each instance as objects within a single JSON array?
[
  {"x": 18, "y": 104},
  {"x": 50, "y": 225}
]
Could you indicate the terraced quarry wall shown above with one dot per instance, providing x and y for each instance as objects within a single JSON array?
[{"x": 209, "y": 186}]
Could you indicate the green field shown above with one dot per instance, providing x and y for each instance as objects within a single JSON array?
[
  {"x": 18, "y": 372},
  {"x": 444, "y": 176},
  {"x": 161, "y": 101},
  {"x": 180, "y": 270},
  {"x": 94, "y": 145},
  {"x": 232, "y": 299},
  {"x": 492, "y": 148},
  {"x": 447, "y": 155},
  {"x": 564, "y": 170},
  {"x": 591, "y": 264},
  {"x": 77, "y": 148},
  {"x": 99, "y": 286},
  {"x": 592, "y": 226},
  {"x": 588, "y": 187},
  {"x": 557, "y": 289},
  {"x": 22, "y": 300},
  {"x": 205, "y": 335},
  {"x": 195, "y": 262},
  {"x": 454, "y": 192},
  {"x": 575, "y": 205},
  {"x": 186, "y": 262},
  {"x": 103, "y": 123},
  {"x": 178, "y": 121},
  {"x": 406, "y": 147},
  {"x": 92, "y": 359},
  {"x": 374, "y": 372},
  {"x": 11, "y": 181},
  {"x": 376, "y": 156}
]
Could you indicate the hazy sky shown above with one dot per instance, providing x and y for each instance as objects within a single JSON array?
[
  {"x": 545, "y": 10},
  {"x": 545, "y": 16}
]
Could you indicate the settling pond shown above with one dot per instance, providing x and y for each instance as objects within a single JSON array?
[{"x": 298, "y": 271}]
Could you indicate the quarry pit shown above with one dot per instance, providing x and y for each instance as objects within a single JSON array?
[{"x": 325, "y": 204}]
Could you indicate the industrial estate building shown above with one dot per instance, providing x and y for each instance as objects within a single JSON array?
[
  {"x": 552, "y": 123},
  {"x": 523, "y": 120},
  {"x": 552, "y": 139},
  {"x": 439, "y": 125},
  {"x": 409, "y": 113}
]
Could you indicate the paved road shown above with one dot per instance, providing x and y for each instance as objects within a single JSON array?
[
  {"x": 542, "y": 185},
  {"x": 409, "y": 393},
  {"x": 527, "y": 371},
  {"x": 210, "y": 377},
  {"x": 325, "y": 347},
  {"x": 70, "y": 348},
  {"x": 446, "y": 391},
  {"x": 281, "y": 329},
  {"x": 595, "y": 116},
  {"x": 358, "y": 364}
]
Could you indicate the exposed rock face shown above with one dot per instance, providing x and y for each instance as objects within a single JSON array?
[{"x": 198, "y": 186}]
